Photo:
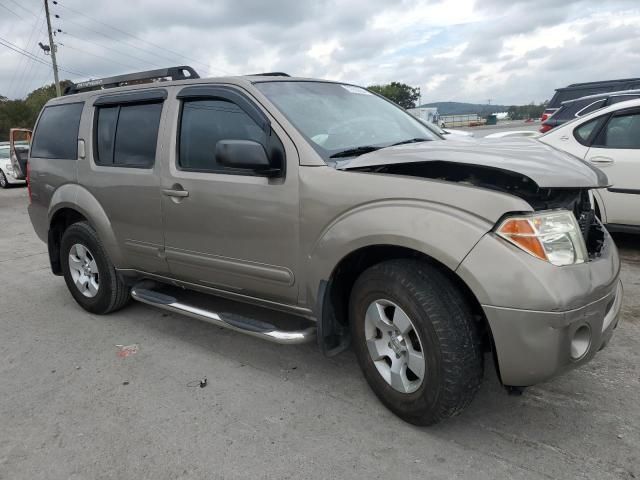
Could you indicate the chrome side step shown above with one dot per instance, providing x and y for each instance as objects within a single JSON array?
[{"x": 232, "y": 315}]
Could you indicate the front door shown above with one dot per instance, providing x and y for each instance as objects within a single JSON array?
[
  {"x": 616, "y": 150},
  {"x": 233, "y": 230}
]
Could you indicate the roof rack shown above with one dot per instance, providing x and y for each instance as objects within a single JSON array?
[
  {"x": 183, "y": 72},
  {"x": 269, "y": 74}
]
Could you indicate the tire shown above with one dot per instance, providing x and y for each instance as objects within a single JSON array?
[
  {"x": 4, "y": 183},
  {"x": 111, "y": 293},
  {"x": 442, "y": 327}
]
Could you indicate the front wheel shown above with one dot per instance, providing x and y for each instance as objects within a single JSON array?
[
  {"x": 416, "y": 340},
  {"x": 89, "y": 274},
  {"x": 4, "y": 183}
]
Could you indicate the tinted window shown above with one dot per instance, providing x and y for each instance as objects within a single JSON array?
[
  {"x": 127, "y": 135},
  {"x": 622, "y": 98},
  {"x": 592, "y": 107},
  {"x": 204, "y": 123},
  {"x": 137, "y": 134},
  {"x": 622, "y": 132},
  {"x": 56, "y": 135},
  {"x": 583, "y": 132},
  {"x": 105, "y": 133}
]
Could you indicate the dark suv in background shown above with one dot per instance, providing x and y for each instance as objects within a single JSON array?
[
  {"x": 579, "y": 90},
  {"x": 581, "y": 106}
]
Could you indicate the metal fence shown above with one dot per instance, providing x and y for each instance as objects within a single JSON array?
[{"x": 469, "y": 120}]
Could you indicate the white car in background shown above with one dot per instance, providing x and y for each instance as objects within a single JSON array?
[
  {"x": 608, "y": 138},
  {"x": 6, "y": 169},
  {"x": 447, "y": 132}
]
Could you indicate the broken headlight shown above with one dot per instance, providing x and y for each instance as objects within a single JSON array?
[{"x": 553, "y": 236}]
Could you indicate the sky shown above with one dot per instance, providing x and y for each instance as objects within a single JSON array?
[{"x": 506, "y": 51}]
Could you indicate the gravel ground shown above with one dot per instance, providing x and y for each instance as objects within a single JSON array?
[{"x": 72, "y": 408}]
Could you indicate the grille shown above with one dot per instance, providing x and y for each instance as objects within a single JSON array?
[{"x": 592, "y": 230}]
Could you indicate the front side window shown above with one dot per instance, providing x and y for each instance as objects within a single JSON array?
[
  {"x": 622, "y": 131},
  {"x": 204, "y": 123},
  {"x": 56, "y": 135},
  {"x": 336, "y": 118},
  {"x": 127, "y": 135}
]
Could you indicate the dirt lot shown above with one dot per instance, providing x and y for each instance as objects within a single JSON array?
[{"x": 71, "y": 407}]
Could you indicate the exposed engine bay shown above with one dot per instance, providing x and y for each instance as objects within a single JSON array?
[{"x": 576, "y": 200}]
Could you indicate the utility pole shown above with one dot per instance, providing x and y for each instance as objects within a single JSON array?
[{"x": 53, "y": 50}]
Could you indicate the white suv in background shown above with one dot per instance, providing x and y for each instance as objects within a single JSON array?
[{"x": 608, "y": 138}]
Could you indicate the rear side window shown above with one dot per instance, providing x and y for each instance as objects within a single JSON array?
[
  {"x": 56, "y": 134},
  {"x": 127, "y": 135},
  {"x": 622, "y": 98},
  {"x": 592, "y": 107},
  {"x": 583, "y": 132}
]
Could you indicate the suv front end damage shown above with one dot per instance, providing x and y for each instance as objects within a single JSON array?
[{"x": 547, "y": 280}]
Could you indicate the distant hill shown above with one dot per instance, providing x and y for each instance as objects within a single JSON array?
[{"x": 459, "y": 108}]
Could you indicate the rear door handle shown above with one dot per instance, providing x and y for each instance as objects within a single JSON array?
[{"x": 169, "y": 192}]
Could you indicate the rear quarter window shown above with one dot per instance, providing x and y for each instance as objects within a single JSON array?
[{"x": 56, "y": 135}]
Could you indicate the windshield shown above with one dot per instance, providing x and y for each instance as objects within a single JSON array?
[{"x": 343, "y": 120}]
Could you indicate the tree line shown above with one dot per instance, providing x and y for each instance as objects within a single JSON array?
[{"x": 23, "y": 113}]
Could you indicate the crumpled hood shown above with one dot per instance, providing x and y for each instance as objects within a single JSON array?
[{"x": 546, "y": 166}]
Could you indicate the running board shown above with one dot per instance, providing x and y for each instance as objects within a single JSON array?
[{"x": 255, "y": 321}]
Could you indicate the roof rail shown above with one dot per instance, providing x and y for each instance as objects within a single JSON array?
[
  {"x": 269, "y": 74},
  {"x": 183, "y": 72}
]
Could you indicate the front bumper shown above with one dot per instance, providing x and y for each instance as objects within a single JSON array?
[
  {"x": 533, "y": 346},
  {"x": 544, "y": 319}
]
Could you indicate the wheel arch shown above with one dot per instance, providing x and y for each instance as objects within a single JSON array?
[
  {"x": 70, "y": 204},
  {"x": 334, "y": 293}
]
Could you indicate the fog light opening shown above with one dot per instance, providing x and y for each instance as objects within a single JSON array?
[{"x": 581, "y": 342}]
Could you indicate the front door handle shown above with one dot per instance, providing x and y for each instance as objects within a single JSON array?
[
  {"x": 601, "y": 160},
  {"x": 170, "y": 192}
]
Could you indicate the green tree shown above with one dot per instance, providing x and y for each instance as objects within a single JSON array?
[
  {"x": 404, "y": 95},
  {"x": 23, "y": 113}
]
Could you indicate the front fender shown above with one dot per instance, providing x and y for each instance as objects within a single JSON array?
[
  {"x": 78, "y": 198},
  {"x": 442, "y": 232}
]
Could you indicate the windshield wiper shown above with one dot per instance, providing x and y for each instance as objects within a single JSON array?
[
  {"x": 354, "y": 152},
  {"x": 411, "y": 140}
]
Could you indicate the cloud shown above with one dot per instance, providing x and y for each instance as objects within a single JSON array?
[{"x": 512, "y": 51}]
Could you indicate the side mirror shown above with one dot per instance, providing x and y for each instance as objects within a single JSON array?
[{"x": 245, "y": 154}]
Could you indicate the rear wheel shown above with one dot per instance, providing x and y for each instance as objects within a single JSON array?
[
  {"x": 416, "y": 340},
  {"x": 4, "y": 183},
  {"x": 89, "y": 274}
]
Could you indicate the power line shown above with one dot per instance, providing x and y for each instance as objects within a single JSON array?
[
  {"x": 119, "y": 41},
  {"x": 21, "y": 51},
  {"x": 110, "y": 48},
  {"x": 66, "y": 45},
  {"x": 8, "y": 9},
  {"x": 55, "y": 2},
  {"x": 23, "y": 63},
  {"x": 23, "y": 8}
]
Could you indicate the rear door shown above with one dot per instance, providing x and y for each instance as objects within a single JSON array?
[
  {"x": 616, "y": 150},
  {"x": 122, "y": 171},
  {"x": 229, "y": 229}
]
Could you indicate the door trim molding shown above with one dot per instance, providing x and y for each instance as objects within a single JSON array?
[{"x": 233, "y": 266}]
